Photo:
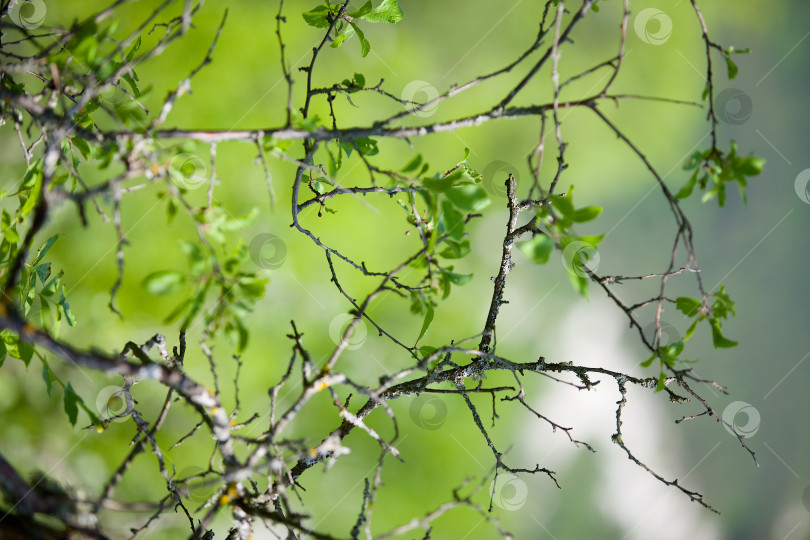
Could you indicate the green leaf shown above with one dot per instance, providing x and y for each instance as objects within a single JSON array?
[
  {"x": 455, "y": 249},
  {"x": 750, "y": 166},
  {"x": 82, "y": 145},
  {"x": 253, "y": 288},
  {"x": 317, "y": 17},
  {"x": 308, "y": 124},
  {"x": 15, "y": 347},
  {"x": 441, "y": 185},
  {"x": 706, "y": 91},
  {"x": 65, "y": 307},
  {"x": 134, "y": 49},
  {"x": 694, "y": 160},
  {"x": 451, "y": 221},
  {"x": 426, "y": 323},
  {"x": 648, "y": 361},
  {"x": 389, "y": 11},
  {"x": 367, "y": 146},
  {"x": 33, "y": 197},
  {"x": 347, "y": 34},
  {"x": 2, "y": 353},
  {"x": 661, "y": 382},
  {"x": 163, "y": 282},
  {"x": 10, "y": 234},
  {"x": 564, "y": 205},
  {"x": 196, "y": 304},
  {"x": 43, "y": 271},
  {"x": 32, "y": 175},
  {"x": 130, "y": 80},
  {"x": 538, "y": 249},
  {"x": 688, "y": 306},
  {"x": 592, "y": 239},
  {"x": 732, "y": 67},
  {"x": 691, "y": 330},
  {"x": 44, "y": 249},
  {"x": 271, "y": 144},
  {"x": 723, "y": 305},
  {"x": 425, "y": 352},
  {"x": 365, "y": 46},
  {"x": 687, "y": 189},
  {"x": 470, "y": 198},
  {"x": 46, "y": 376},
  {"x": 413, "y": 164},
  {"x": 71, "y": 403},
  {"x": 240, "y": 223},
  {"x": 319, "y": 186},
  {"x": 588, "y": 213},
  {"x": 45, "y": 316},
  {"x": 237, "y": 334},
  {"x": 363, "y": 10},
  {"x": 580, "y": 283},
  {"x": 674, "y": 350},
  {"x": 717, "y": 335},
  {"x": 458, "y": 279}
]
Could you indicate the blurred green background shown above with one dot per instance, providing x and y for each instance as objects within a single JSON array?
[{"x": 758, "y": 251}]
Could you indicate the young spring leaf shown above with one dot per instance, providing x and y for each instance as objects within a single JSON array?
[
  {"x": 585, "y": 214},
  {"x": 564, "y": 205},
  {"x": 723, "y": 305},
  {"x": 688, "y": 306},
  {"x": 365, "y": 46},
  {"x": 71, "y": 403},
  {"x": 413, "y": 164},
  {"x": 367, "y": 146},
  {"x": 389, "y": 11},
  {"x": 538, "y": 249},
  {"x": 317, "y": 17},
  {"x": 363, "y": 10},
  {"x": 451, "y": 221},
  {"x": 163, "y": 282},
  {"x": 44, "y": 249},
  {"x": 344, "y": 36},
  {"x": 732, "y": 67},
  {"x": 426, "y": 323},
  {"x": 455, "y": 249},
  {"x": 470, "y": 198},
  {"x": 46, "y": 376},
  {"x": 717, "y": 335}
]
